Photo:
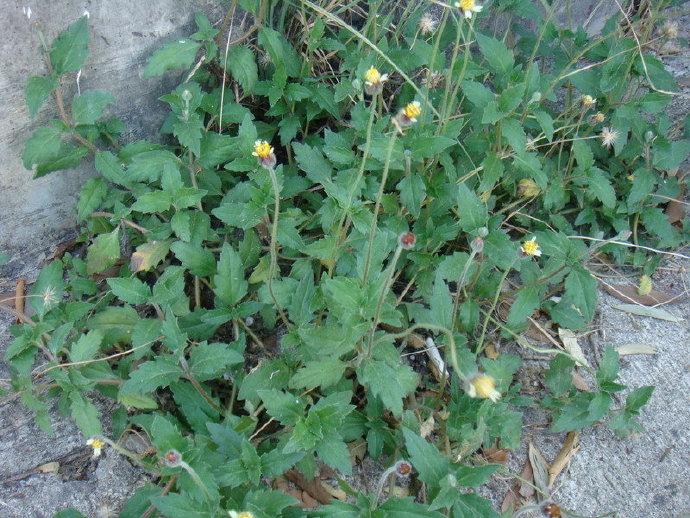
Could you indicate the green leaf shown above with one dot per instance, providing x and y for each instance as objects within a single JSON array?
[
  {"x": 638, "y": 398},
  {"x": 283, "y": 56},
  {"x": 526, "y": 303},
  {"x": 581, "y": 289},
  {"x": 229, "y": 283},
  {"x": 38, "y": 89},
  {"x": 175, "y": 505},
  {"x": 43, "y": 145},
  {"x": 473, "y": 476},
  {"x": 609, "y": 366},
  {"x": 431, "y": 465},
  {"x": 116, "y": 322},
  {"x": 103, "y": 252},
  {"x": 623, "y": 424},
  {"x": 599, "y": 406},
  {"x": 275, "y": 462},
  {"x": 321, "y": 373},
  {"x": 387, "y": 383},
  {"x": 497, "y": 55},
  {"x": 334, "y": 452},
  {"x": 177, "y": 54},
  {"x": 477, "y": 93},
  {"x": 312, "y": 162},
  {"x": 85, "y": 415},
  {"x": 428, "y": 147},
  {"x": 133, "y": 291},
  {"x": 473, "y": 213},
  {"x": 137, "y": 400},
  {"x": 441, "y": 304},
  {"x": 88, "y": 107},
  {"x": 601, "y": 187},
  {"x": 189, "y": 132},
  {"x": 70, "y": 48},
  {"x": 546, "y": 123},
  {"x": 401, "y": 508},
  {"x": 282, "y": 406},
  {"x": 559, "y": 377},
  {"x": 110, "y": 167},
  {"x": 93, "y": 194},
  {"x": 69, "y": 513},
  {"x": 412, "y": 193},
  {"x": 148, "y": 255},
  {"x": 86, "y": 347},
  {"x": 242, "y": 65},
  {"x": 197, "y": 259},
  {"x": 209, "y": 361},
  {"x": 511, "y": 98},
  {"x": 473, "y": 506},
  {"x": 583, "y": 154},
  {"x": 151, "y": 375}
]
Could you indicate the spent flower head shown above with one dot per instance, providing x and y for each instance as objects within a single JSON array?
[
  {"x": 608, "y": 136},
  {"x": 427, "y": 24},
  {"x": 597, "y": 118},
  {"x": 483, "y": 386},
  {"x": 172, "y": 458},
  {"x": 373, "y": 81},
  {"x": 531, "y": 247},
  {"x": 97, "y": 445},
  {"x": 407, "y": 240},
  {"x": 403, "y": 468},
  {"x": 669, "y": 30},
  {"x": 468, "y": 7},
  {"x": 264, "y": 152}
]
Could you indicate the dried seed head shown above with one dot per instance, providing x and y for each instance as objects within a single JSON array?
[
  {"x": 403, "y": 468},
  {"x": 407, "y": 240}
]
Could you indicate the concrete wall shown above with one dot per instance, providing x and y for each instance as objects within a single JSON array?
[{"x": 123, "y": 34}]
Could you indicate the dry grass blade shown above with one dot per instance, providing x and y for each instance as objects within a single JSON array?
[
  {"x": 570, "y": 344},
  {"x": 569, "y": 448},
  {"x": 645, "y": 311},
  {"x": 636, "y": 348}
]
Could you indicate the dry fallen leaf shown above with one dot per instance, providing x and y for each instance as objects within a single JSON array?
[
  {"x": 645, "y": 311},
  {"x": 636, "y": 349},
  {"x": 569, "y": 448},
  {"x": 519, "y": 490},
  {"x": 580, "y": 382},
  {"x": 491, "y": 352},
  {"x": 570, "y": 344},
  {"x": 335, "y": 492},
  {"x": 496, "y": 454},
  {"x": 540, "y": 468},
  {"x": 312, "y": 487},
  {"x": 49, "y": 467},
  {"x": 427, "y": 427},
  {"x": 630, "y": 294}
]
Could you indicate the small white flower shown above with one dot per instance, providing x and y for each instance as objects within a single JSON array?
[{"x": 97, "y": 446}]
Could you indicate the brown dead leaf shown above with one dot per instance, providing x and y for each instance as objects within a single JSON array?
[
  {"x": 358, "y": 449},
  {"x": 580, "y": 382},
  {"x": 496, "y": 454},
  {"x": 335, "y": 492},
  {"x": 19, "y": 295},
  {"x": 427, "y": 427},
  {"x": 519, "y": 490},
  {"x": 491, "y": 352},
  {"x": 540, "y": 469},
  {"x": 675, "y": 212},
  {"x": 313, "y": 487},
  {"x": 569, "y": 448},
  {"x": 629, "y": 294}
]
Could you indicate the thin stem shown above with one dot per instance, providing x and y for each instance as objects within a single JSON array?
[
  {"x": 382, "y": 296},
  {"x": 274, "y": 240}
]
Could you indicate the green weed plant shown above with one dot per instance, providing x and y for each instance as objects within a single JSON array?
[{"x": 332, "y": 186}]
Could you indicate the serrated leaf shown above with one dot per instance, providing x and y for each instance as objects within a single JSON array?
[
  {"x": 181, "y": 506},
  {"x": 229, "y": 283},
  {"x": 431, "y": 465},
  {"x": 581, "y": 289},
  {"x": 638, "y": 398},
  {"x": 132, "y": 291},
  {"x": 151, "y": 375},
  {"x": 103, "y": 252},
  {"x": 322, "y": 373},
  {"x": 197, "y": 259},
  {"x": 412, "y": 193},
  {"x": 137, "y": 400},
  {"x": 283, "y": 406},
  {"x": 92, "y": 195},
  {"x": 312, "y": 162},
  {"x": 38, "y": 89},
  {"x": 43, "y": 145},
  {"x": 546, "y": 123},
  {"x": 189, "y": 132},
  {"x": 85, "y": 415},
  {"x": 242, "y": 65},
  {"x": 387, "y": 383},
  {"x": 402, "y": 508},
  {"x": 526, "y": 303},
  {"x": 559, "y": 378},
  {"x": 70, "y": 48},
  {"x": 86, "y": 347},
  {"x": 177, "y": 54},
  {"x": 88, "y": 107},
  {"x": 473, "y": 506},
  {"x": 209, "y": 361},
  {"x": 148, "y": 255},
  {"x": 497, "y": 55},
  {"x": 427, "y": 147},
  {"x": 473, "y": 213},
  {"x": 601, "y": 188}
]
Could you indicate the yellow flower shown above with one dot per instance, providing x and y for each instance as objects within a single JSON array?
[
  {"x": 97, "y": 446},
  {"x": 468, "y": 7},
  {"x": 531, "y": 247},
  {"x": 412, "y": 111},
  {"x": 483, "y": 386},
  {"x": 528, "y": 188},
  {"x": 243, "y": 514},
  {"x": 264, "y": 152},
  {"x": 373, "y": 81}
]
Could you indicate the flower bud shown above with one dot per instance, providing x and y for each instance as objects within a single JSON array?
[
  {"x": 477, "y": 245},
  {"x": 172, "y": 458},
  {"x": 403, "y": 468},
  {"x": 407, "y": 240}
]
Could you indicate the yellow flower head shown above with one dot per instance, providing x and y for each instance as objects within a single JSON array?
[
  {"x": 262, "y": 149},
  {"x": 531, "y": 247},
  {"x": 373, "y": 81},
  {"x": 97, "y": 446},
  {"x": 264, "y": 152},
  {"x": 412, "y": 111},
  {"x": 243, "y": 514},
  {"x": 483, "y": 386},
  {"x": 372, "y": 76},
  {"x": 468, "y": 7}
]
